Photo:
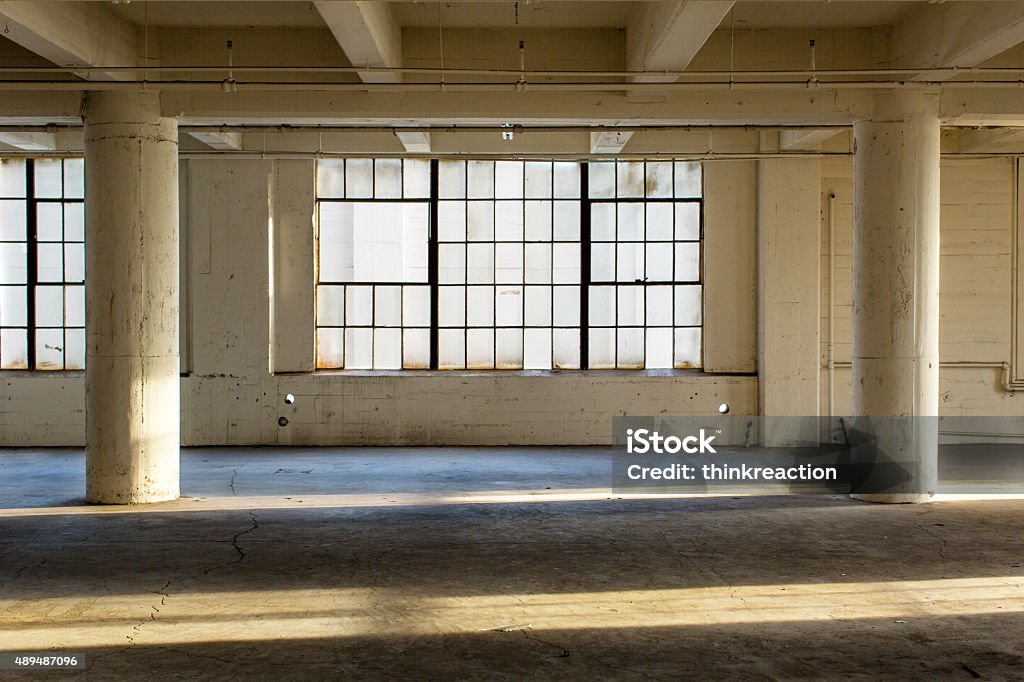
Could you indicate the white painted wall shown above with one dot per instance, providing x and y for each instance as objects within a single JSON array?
[{"x": 243, "y": 215}]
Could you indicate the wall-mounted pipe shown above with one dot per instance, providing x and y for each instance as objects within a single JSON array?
[{"x": 831, "y": 328}]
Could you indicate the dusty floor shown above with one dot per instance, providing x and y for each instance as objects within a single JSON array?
[{"x": 498, "y": 564}]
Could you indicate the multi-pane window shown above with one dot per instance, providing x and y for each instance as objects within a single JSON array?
[
  {"x": 42, "y": 264},
  {"x": 645, "y": 293},
  {"x": 508, "y": 264}
]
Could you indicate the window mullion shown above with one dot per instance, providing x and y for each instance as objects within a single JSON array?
[
  {"x": 32, "y": 256},
  {"x": 584, "y": 265},
  {"x": 433, "y": 264}
]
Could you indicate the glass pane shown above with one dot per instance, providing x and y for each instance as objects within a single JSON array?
[
  {"x": 631, "y": 222},
  {"x": 49, "y": 180},
  {"x": 566, "y": 259},
  {"x": 658, "y": 353},
  {"x": 13, "y": 306},
  {"x": 688, "y": 262},
  {"x": 630, "y": 266},
  {"x": 659, "y": 179},
  {"x": 538, "y": 306},
  {"x": 567, "y": 180},
  {"x": 508, "y": 306},
  {"x": 480, "y": 307},
  {"x": 567, "y": 307},
  {"x": 538, "y": 179},
  {"x": 481, "y": 263},
  {"x": 74, "y": 310},
  {"x": 12, "y": 178},
  {"x": 602, "y": 306},
  {"x": 387, "y": 178},
  {"x": 630, "y": 178},
  {"x": 49, "y": 349},
  {"x": 330, "y": 181},
  {"x": 688, "y": 180},
  {"x": 687, "y": 347},
  {"x": 415, "y": 238},
  {"x": 74, "y": 178},
  {"x": 602, "y": 222},
  {"x": 537, "y": 349},
  {"x": 451, "y": 179},
  {"x": 451, "y": 351},
  {"x": 509, "y": 346},
  {"x": 508, "y": 221},
  {"x": 480, "y": 348},
  {"x": 74, "y": 349},
  {"x": 630, "y": 348},
  {"x": 451, "y": 306},
  {"x": 12, "y": 219},
  {"x": 74, "y": 262},
  {"x": 416, "y": 307},
  {"x": 451, "y": 216},
  {"x": 358, "y": 307},
  {"x": 602, "y": 262},
  {"x": 688, "y": 221},
  {"x": 567, "y": 221},
  {"x": 689, "y": 305},
  {"x": 538, "y": 221},
  {"x": 451, "y": 263},
  {"x": 602, "y": 349},
  {"x": 416, "y": 348},
  {"x": 358, "y": 179},
  {"x": 416, "y": 178},
  {"x": 631, "y": 306},
  {"x": 480, "y": 221},
  {"x": 50, "y": 306},
  {"x": 601, "y": 180},
  {"x": 330, "y": 306},
  {"x": 13, "y": 349},
  {"x": 50, "y": 263},
  {"x": 659, "y": 263},
  {"x": 359, "y": 348},
  {"x": 50, "y": 221},
  {"x": 508, "y": 179},
  {"x": 387, "y": 348},
  {"x": 659, "y": 222},
  {"x": 387, "y": 307},
  {"x": 330, "y": 346},
  {"x": 565, "y": 349},
  {"x": 538, "y": 263},
  {"x": 508, "y": 262},
  {"x": 74, "y": 222},
  {"x": 659, "y": 306},
  {"x": 13, "y": 264},
  {"x": 480, "y": 179},
  {"x": 336, "y": 256}
]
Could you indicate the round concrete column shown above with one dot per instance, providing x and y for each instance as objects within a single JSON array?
[
  {"x": 896, "y": 295},
  {"x": 132, "y": 375}
]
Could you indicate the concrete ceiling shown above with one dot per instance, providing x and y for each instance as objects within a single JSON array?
[{"x": 502, "y": 14}]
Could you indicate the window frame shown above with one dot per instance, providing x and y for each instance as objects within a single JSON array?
[{"x": 586, "y": 283}]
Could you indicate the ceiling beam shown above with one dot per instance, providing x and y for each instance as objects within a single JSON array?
[
  {"x": 956, "y": 34},
  {"x": 414, "y": 141},
  {"x": 991, "y": 140},
  {"x": 228, "y": 142},
  {"x": 609, "y": 142},
  {"x": 804, "y": 139},
  {"x": 72, "y": 34},
  {"x": 368, "y": 33},
  {"x": 30, "y": 142},
  {"x": 665, "y": 36}
]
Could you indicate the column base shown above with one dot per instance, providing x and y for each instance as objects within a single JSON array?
[{"x": 100, "y": 498}]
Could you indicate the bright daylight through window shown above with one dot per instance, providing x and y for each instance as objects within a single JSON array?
[
  {"x": 501, "y": 264},
  {"x": 42, "y": 264}
]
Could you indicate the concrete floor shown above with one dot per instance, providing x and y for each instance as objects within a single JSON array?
[{"x": 504, "y": 563}]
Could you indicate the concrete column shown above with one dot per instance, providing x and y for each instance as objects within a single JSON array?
[
  {"x": 896, "y": 292},
  {"x": 132, "y": 377}
]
